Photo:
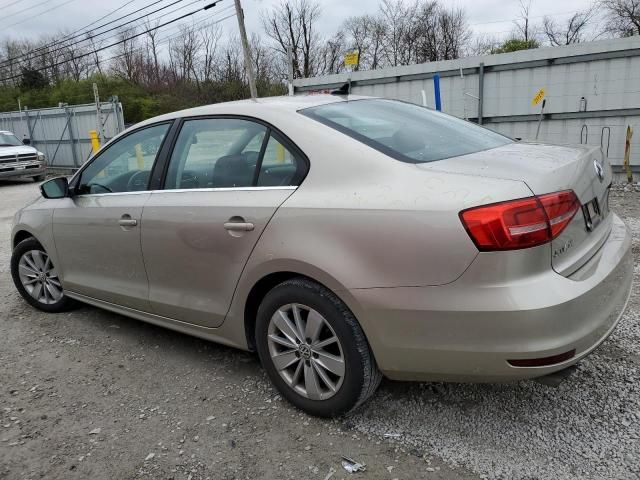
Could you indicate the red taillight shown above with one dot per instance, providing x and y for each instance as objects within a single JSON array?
[{"x": 522, "y": 223}]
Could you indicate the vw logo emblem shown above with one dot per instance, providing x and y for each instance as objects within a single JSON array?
[{"x": 599, "y": 170}]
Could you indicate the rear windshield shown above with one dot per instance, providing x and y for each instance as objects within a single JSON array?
[{"x": 405, "y": 131}]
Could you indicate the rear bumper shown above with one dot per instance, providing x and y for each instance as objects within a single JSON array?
[
  {"x": 24, "y": 170},
  {"x": 467, "y": 330}
]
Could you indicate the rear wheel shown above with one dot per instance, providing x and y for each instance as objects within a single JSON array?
[
  {"x": 36, "y": 277},
  {"x": 314, "y": 350}
]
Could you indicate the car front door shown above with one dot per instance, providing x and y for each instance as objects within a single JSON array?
[
  {"x": 220, "y": 191},
  {"x": 97, "y": 230}
]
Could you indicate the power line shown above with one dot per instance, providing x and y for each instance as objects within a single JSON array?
[
  {"x": 126, "y": 4},
  {"x": 26, "y": 9},
  {"x": 73, "y": 35},
  {"x": 11, "y": 4},
  {"x": 207, "y": 7},
  {"x": 168, "y": 38},
  {"x": 39, "y": 14},
  {"x": 64, "y": 45}
]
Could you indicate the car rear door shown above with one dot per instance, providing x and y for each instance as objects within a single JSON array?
[
  {"x": 97, "y": 230},
  {"x": 225, "y": 179}
]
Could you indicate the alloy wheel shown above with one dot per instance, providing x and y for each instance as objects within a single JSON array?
[
  {"x": 39, "y": 277},
  {"x": 306, "y": 351}
]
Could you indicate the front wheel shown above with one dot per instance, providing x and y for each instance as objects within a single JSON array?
[
  {"x": 39, "y": 178},
  {"x": 36, "y": 278},
  {"x": 314, "y": 350}
]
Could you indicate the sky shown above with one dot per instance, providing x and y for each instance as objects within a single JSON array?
[{"x": 41, "y": 17}]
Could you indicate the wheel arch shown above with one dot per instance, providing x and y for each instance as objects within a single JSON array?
[
  {"x": 268, "y": 281},
  {"x": 20, "y": 236}
]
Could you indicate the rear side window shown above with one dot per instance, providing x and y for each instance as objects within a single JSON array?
[
  {"x": 215, "y": 153},
  {"x": 279, "y": 165},
  {"x": 404, "y": 131},
  {"x": 231, "y": 153}
]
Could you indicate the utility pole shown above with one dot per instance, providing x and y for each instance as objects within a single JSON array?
[
  {"x": 290, "y": 62},
  {"x": 99, "y": 120},
  {"x": 248, "y": 63},
  {"x": 21, "y": 119}
]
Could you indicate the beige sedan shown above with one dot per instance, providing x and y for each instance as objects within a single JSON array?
[{"x": 343, "y": 239}]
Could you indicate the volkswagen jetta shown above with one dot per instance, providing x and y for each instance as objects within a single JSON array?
[{"x": 343, "y": 239}]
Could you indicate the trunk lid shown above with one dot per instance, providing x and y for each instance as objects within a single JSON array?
[{"x": 546, "y": 169}]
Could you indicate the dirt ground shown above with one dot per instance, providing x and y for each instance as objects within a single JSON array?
[{"x": 92, "y": 394}]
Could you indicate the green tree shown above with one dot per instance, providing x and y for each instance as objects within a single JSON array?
[
  {"x": 33, "y": 79},
  {"x": 515, "y": 44}
]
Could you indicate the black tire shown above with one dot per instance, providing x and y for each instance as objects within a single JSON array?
[
  {"x": 361, "y": 378},
  {"x": 39, "y": 178},
  {"x": 63, "y": 304}
]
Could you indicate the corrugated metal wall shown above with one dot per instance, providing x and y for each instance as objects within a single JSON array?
[
  {"x": 605, "y": 73},
  {"x": 62, "y": 134}
]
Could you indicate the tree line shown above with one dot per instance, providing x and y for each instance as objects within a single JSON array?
[{"x": 153, "y": 72}]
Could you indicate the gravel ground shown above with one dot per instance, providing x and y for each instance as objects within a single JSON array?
[{"x": 93, "y": 394}]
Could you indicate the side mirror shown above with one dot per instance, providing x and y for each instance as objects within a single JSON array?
[
  {"x": 26, "y": 141},
  {"x": 55, "y": 188}
]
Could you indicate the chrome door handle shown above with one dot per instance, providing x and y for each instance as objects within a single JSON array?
[
  {"x": 127, "y": 221},
  {"x": 239, "y": 226}
]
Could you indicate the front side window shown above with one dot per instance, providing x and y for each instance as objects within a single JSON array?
[
  {"x": 9, "y": 140},
  {"x": 405, "y": 131},
  {"x": 125, "y": 166},
  {"x": 229, "y": 153}
]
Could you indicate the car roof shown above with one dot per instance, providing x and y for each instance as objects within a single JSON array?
[
  {"x": 254, "y": 107},
  {"x": 6, "y": 131}
]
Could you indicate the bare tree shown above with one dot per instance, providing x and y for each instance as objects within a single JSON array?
[
  {"x": 376, "y": 44},
  {"x": 367, "y": 35},
  {"x": 152, "y": 51},
  {"x": 183, "y": 51},
  {"x": 128, "y": 61},
  {"x": 442, "y": 33},
  {"x": 209, "y": 41},
  {"x": 482, "y": 44},
  {"x": 572, "y": 31},
  {"x": 77, "y": 61},
  {"x": 293, "y": 24},
  {"x": 231, "y": 68},
  {"x": 96, "y": 44},
  {"x": 397, "y": 17},
  {"x": 524, "y": 27},
  {"x": 358, "y": 32},
  {"x": 13, "y": 59},
  {"x": 331, "y": 57},
  {"x": 454, "y": 33},
  {"x": 623, "y": 17}
]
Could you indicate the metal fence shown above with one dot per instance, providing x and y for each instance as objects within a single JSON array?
[
  {"x": 62, "y": 133},
  {"x": 592, "y": 92}
]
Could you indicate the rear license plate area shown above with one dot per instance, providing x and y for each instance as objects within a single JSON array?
[{"x": 592, "y": 214}]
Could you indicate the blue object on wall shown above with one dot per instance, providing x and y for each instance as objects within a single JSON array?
[{"x": 436, "y": 91}]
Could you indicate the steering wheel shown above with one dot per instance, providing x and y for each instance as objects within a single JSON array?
[{"x": 137, "y": 180}]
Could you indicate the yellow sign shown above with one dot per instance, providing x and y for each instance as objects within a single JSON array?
[
  {"x": 537, "y": 98},
  {"x": 351, "y": 58}
]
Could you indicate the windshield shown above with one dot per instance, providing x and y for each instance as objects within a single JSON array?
[
  {"x": 9, "y": 140},
  {"x": 405, "y": 131}
]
